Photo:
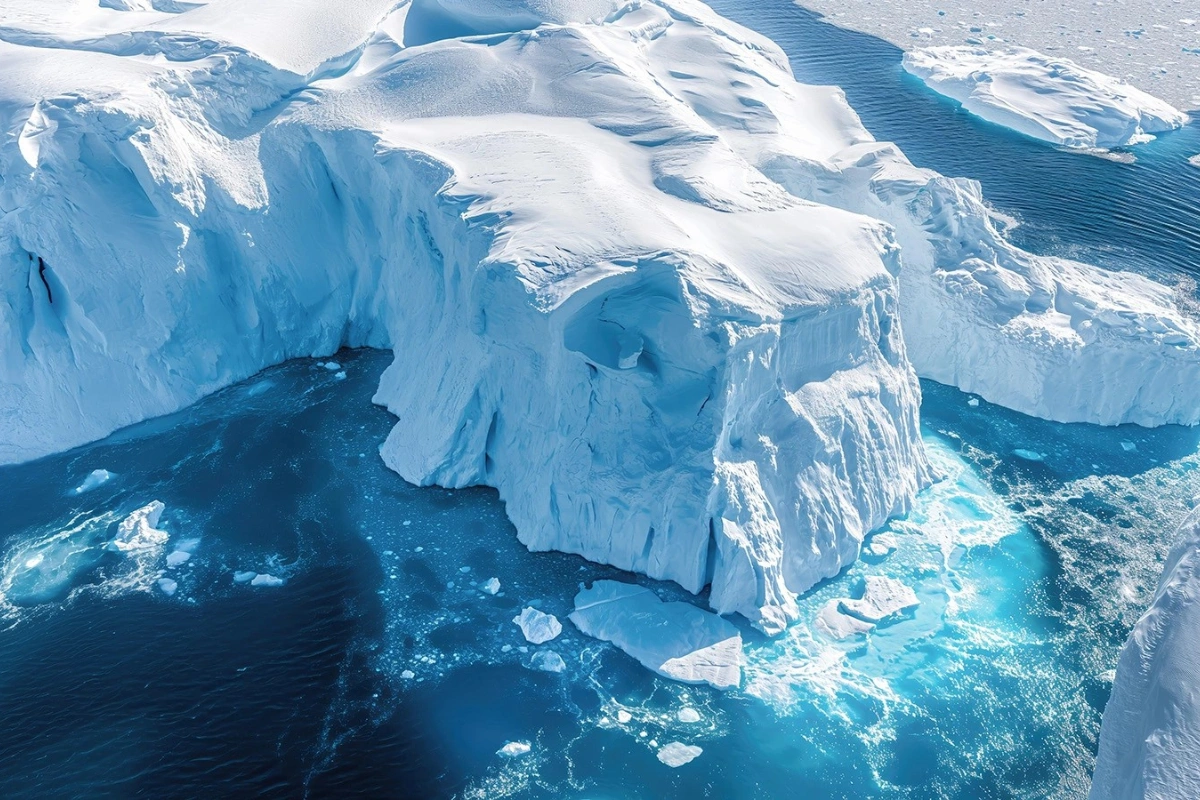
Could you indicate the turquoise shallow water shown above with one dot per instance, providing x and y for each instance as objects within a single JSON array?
[{"x": 379, "y": 668}]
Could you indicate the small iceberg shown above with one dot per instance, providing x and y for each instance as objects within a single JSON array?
[
  {"x": 244, "y": 576},
  {"x": 97, "y": 477},
  {"x": 537, "y": 626},
  {"x": 883, "y": 598},
  {"x": 137, "y": 532},
  {"x": 1028, "y": 455},
  {"x": 514, "y": 749},
  {"x": 167, "y": 586},
  {"x": 547, "y": 661},
  {"x": 177, "y": 557},
  {"x": 688, "y": 715},
  {"x": 490, "y": 586},
  {"x": 675, "y": 754},
  {"x": 266, "y": 580},
  {"x": 677, "y": 640}
]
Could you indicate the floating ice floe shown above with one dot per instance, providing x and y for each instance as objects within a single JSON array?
[
  {"x": 177, "y": 557},
  {"x": 332, "y": 366},
  {"x": 244, "y": 576},
  {"x": 537, "y": 626},
  {"x": 882, "y": 599},
  {"x": 547, "y": 661},
  {"x": 97, "y": 477},
  {"x": 1194, "y": 160},
  {"x": 1049, "y": 98},
  {"x": 675, "y": 754},
  {"x": 490, "y": 586},
  {"x": 1028, "y": 455},
  {"x": 513, "y": 749},
  {"x": 137, "y": 532},
  {"x": 266, "y": 580},
  {"x": 676, "y": 640},
  {"x": 167, "y": 586},
  {"x": 688, "y": 715}
]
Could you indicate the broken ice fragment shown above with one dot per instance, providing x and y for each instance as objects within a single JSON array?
[
  {"x": 547, "y": 661},
  {"x": 675, "y": 754},
  {"x": 882, "y": 598},
  {"x": 538, "y": 627},
  {"x": 491, "y": 586},
  {"x": 513, "y": 749},
  {"x": 97, "y": 477}
]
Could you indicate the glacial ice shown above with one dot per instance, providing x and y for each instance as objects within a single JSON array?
[
  {"x": 688, "y": 715},
  {"x": 547, "y": 661},
  {"x": 168, "y": 586},
  {"x": 1053, "y": 99},
  {"x": 536, "y": 626},
  {"x": 659, "y": 311},
  {"x": 1150, "y": 738},
  {"x": 883, "y": 598},
  {"x": 137, "y": 532},
  {"x": 675, "y": 754},
  {"x": 96, "y": 478},
  {"x": 266, "y": 580},
  {"x": 244, "y": 576},
  {"x": 676, "y": 640},
  {"x": 512, "y": 749},
  {"x": 1194, "y": 160},
  {"x": 490, "y": 586},
  {"x": 177, "y": 557}
]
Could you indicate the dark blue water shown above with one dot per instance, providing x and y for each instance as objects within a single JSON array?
[{"x": 1143, "y": 216}]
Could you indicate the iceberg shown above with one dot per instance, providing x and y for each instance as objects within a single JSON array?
[
  {"x": 1048, "y": 98},
  {"x": 675, "y": 640},
  {"x": 512, "y": 749},
  {"x": 536, "y": 626},
  {"x": 1150, "y": 736},
  {"x": 136, "y": 533},
  {"x": 96, "y": 478},
  {"x": 547, "y": 661},
  {"x": 265, "y": 580},
  {"x": 659, "y": 284},
  {"x": 675, "y": 754}
]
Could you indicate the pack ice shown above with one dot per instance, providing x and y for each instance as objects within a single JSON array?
[
  {"x": 1150, "y": 738},
  {"x": 1048, "y": 98},
  {"x": 633, "y": 274}
]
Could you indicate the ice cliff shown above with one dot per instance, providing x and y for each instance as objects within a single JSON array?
[
  {"x": 1053, "y": 99},
  {"x": 633, "y": 274},
  {"x": 1150, "y": 739}
]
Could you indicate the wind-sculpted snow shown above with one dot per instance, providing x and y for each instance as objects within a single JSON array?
[
  {"x": 1150, "y": 740},
  {"x": 607, "y": 253},
  {"x": 1053, "y": 99}
]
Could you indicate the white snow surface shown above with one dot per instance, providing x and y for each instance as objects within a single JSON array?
[
  {"x": 676, "y": 640},
  {"x": 1150, "y": 738},
  {"x": 633, "y": 274},
  {"x": 1048, "y": 98}
]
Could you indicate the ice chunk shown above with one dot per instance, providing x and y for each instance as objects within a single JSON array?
[
  {"x": 512, "y": 749},
  {"x": 676, "y": 640},
  {"x": 137, "y": 532},
  {"x": 1028, "y": 455},
  {"x": 332, "y": 366},
  {"x": 688, "y": 715},
  {"x": 882, "y": 599},
  {"x": 973, "y": 402},
  {"x": 675, "y": 754},
  {"x": 1194, "y": 160},
  {"x": 244, "y": 577},
  {"x": 177, "y": 557},
  {"x": 167, "y": 586},
  {"x": 1128, "y": 446},
  {"x": 1045, "y": 97},
  {"x": 490, "y": 586},
  {"x": 881, "y": 544},
  {"x": 341, "y": 376},
  {"x": 833, "y": 621},
  {"x": 97, "y": 477},
  {"x": 547, "y": 661},
  {"x": 266, "y": 580},
  {"x": 408, "y": 675},
  {"x": 537, "y": 627},
  {"x": 624, "y": 717}
]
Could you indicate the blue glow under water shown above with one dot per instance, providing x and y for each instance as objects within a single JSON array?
[{"x": 379, "y": 667}]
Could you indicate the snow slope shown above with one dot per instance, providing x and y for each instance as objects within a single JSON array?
[
  {"x": 621, "y": 259},
  {"x": 1150, "y": 739},
  {"x": 1053, "y": 99}
]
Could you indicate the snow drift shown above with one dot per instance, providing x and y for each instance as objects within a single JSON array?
[
  {"x": 631, "y": 271},
  {"x": 1150, "y": 739},
  {"x": 1053, "y": 99}
]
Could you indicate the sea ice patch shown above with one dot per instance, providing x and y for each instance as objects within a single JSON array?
[
  {"x": 513, "y": 749},
  {"x": 676, "y": 640},
  {"x": 537, "y": 627},
  {"x": 883, "y": 598},
  {"x": 547, "y": 661},
  {"x": 137, "y": 532},
  {"x": 676, "y": 754}
]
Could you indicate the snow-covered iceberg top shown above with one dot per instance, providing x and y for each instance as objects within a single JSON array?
[
  {"x": 1045, "y": 97},
  {"x": 676, "y": 640},
  {"x": 1150, "y": 738}
]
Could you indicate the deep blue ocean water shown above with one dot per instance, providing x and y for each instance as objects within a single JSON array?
[{"x": 380, "y": 669}]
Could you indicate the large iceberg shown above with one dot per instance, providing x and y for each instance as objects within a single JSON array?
[
  {"x": 633, "y": 274},
  {"x": 1049, "y": 98},
  {"x": 1150, "y": 738}
]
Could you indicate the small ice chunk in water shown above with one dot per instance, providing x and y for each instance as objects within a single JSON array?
[
  {"x": 137, "y": 532},
  {"x": 1028, "y": 455},
  {"x": 178, "y": 557},
  {"x": 882, "y": 598},
  {"x": 266, "y": 580},
  {"x": 97, "y": 477},
  {"x": 1128, "y": 447},
  {"x": 244, "y": 577},
  {"x": 341, "y": 376},
  {"x": 688, "y": 714},
  {"x": 840, "y": 626},
  {"x": 408, "y": 674},
  {"x": 167, "y": 586},
  {"x": 547, "y": 661},
  {"x": 537, "y": 626},
  {"x": 513, "y": 749},
  {"x": 506, "y": 648},
  {"x": 1194, "y": 160},
  {"x": 624, "y": 717},
  {"x": 973, "y": 402},
  {"x": 332, "y": 366},
  {"x": 491, "y": 586},
  {"x": 881, "y": 544},
  {"x": 675, "y": 754}
]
